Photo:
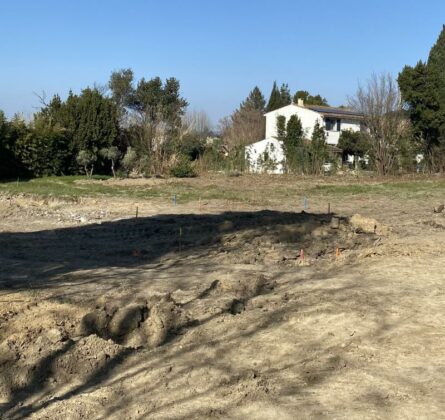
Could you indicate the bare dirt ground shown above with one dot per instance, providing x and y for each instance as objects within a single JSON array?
[{"x": 208, "y": 309}]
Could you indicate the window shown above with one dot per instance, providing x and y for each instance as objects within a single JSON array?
[
  {"x": 338, "y": 125},
  {"x": 329, "y": 124}
]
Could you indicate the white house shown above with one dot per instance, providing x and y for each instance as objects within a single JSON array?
[{"x": 262, "y": 154}]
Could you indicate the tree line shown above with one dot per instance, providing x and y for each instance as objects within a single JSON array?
[
  {"x": 142, "y": 126},
  {"x": 128, "y": 125}
]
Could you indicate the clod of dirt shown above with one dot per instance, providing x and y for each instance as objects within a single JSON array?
[
  {"x": 320, "y": 232},
  {"x": 245, "y": 288},
  {"x": 56, "y": 335},
  {"x": 94, "y": 323},
  {"x": 125, "y": 320},
  {"x": 363, "y": 224},
  {"x": 335, "y": 223},
  {"x": 439, "y": 209},
  {"x": 237, "y": 306},
  {"x": 165, "y": 318}
]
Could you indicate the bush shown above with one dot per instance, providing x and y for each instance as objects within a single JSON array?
[
  {"x": 182, "y": 169},
  {"x": 129, "y": 161}
]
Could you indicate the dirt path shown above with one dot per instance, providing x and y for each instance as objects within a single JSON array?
[{"x": 209, "y": 313}]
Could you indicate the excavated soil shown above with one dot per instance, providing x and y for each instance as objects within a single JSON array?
[{"x": 248, "y": 313}]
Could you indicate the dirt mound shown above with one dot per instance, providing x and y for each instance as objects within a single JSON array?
[
  {"x": 363, "y": 224},
  {"x": 136, "y": 324},
  {"x": 244, "y": 288},
  {"x": 83, "y": 357}
]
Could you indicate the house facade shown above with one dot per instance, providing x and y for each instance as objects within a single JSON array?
[{"x": 260, "y": 155}]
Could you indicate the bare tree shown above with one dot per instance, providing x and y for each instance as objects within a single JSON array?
[
  {"x": 242, "y": 128},
  {"x": 195, "y": 122},
  {"x": 379, "y": 102}
]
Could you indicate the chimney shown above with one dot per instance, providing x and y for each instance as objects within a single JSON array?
[{"x": 300, "y": 102}]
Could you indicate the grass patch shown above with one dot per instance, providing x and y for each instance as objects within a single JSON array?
[
  {"x": 70, "y": 187},
  {"x": 256, "y": 191},
  {"x": 403, "y": 189}
]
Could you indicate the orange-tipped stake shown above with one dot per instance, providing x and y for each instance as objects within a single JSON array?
[
  {"x": 301, "y": 255},
  {"x": 337, "y": 252}
]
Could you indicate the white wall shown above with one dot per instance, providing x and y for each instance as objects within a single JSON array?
[
  {"x": 255, "y": 154},
  {"x": 308, "y": 119},
  {"x": 332, "y": 137},
  {"x": 352, "y": 125},
  {"x": 306, "y": 116}
]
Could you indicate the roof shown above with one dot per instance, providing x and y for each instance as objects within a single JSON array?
[
  {"x": 325, "y": 111},
  {"x": 331, "y": 111}
]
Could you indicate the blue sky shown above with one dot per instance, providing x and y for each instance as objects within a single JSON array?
[{"x": 218, "y": 49}]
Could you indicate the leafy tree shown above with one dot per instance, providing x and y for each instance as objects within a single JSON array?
[
  {"x": 309, "y": 99},
  {"x": 86, "y": 159},
  {"x": 112, "y": 154},
  {"x": 318, "y": 150},
  {"x": 353, "y": 143},
  {"x": 155, "y": 110}
]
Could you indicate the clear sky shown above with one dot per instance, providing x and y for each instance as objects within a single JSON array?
[{"x": 218, "y": 49}]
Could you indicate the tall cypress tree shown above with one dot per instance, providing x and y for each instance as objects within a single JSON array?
[
  {"x": 281, "y": 127},
  {"x": 274, "y": 99},
  {"x": 318, "y": 150},
  {"x": 293, "y": 144}
]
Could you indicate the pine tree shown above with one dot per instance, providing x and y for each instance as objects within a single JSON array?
[
  {"x": 255, "y": 101},
  {"x": 423, "y": 92},
  {"x": 285, "y": 96},
  {"x": 436, "y": 66},
  {"x": 248, "y": 122}
]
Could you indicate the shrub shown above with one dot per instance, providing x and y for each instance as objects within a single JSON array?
[
  {"x": 182, "y": 168},
  {"x": 129, "y": 161}
]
